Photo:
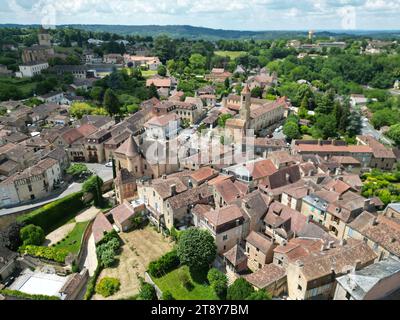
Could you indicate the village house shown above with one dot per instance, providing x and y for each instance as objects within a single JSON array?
[
  {"x": 383, "y": 157},
  {"x": 125, "y": 185},
  {"x": 154, "y": 194},
  {"x": 52, "y": 97},
  {"x": 380, "y": 232},
  {"x": 335, "y": 210},
  {"x": 218, "y": 75},
  {"x": 282, "y": 223},
  {"x": 163, "y": 127},
  {"x": 259, "y": 250},
  {"x": 312, "y": 265},
  {"x": 270, "y": 278},
  {"x": 225, "y": 225},
  {"x": 113, "y": 58},
  {"x": 163, "y": 85},
  {"x": 378, "y": 281},
  {"x": 124, "y": 214},
  {"x": 94, "y": 146},
  {"x": 33, "y": 183}
]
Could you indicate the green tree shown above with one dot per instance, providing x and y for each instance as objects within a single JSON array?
[
  {"x": 196, "y": 248},
  {"x": 291, "y": 130},
  {"x": 354, "y": 124},
  {"x": 162, "y": 71},
  {"x": 394, "y": 133},
  {"x": 325, "y": 127},
  {"x": 93, "y": 185},
  {"x": 256, "y": 92},
  {"x": 241, "y": 289},
  {"x": 153, "y": 93},
  {"x": 111, "y": 102},
  {"x": 32, "y": 235},
  {"x": 259, "y": 295},
  {"x": 197, "y": 63},
  {"x": 223, "y": 118}
]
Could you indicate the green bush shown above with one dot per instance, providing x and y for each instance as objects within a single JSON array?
[
  {"x": 48, "y": 253},
  {"x": 107, "y": 251},
  {"x": 147, "y": 292},
  {"x": 91, "y": 285},
  {"x": 241, "y": 289},
  {"x": 259, "y": 295},
  {"x": 32, "y": 235},
  {"x": 218, "y": 281},
  {"x": 108, "y": 286},
  {"x": 167, "y": 295},
  {"x": 164, "y": 264},
  {"x": 54, "y": 214},
  {"x": 23, "y": 295}
]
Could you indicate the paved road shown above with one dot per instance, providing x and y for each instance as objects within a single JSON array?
[
  {"x": 100, "y": 169},
  {"x": 368, "y": 129}
]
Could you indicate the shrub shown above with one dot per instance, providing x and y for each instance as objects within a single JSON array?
[
  {"x": 147, "y": 292},
  {"x": 32, "y": 235},
  {"x": 48, "y": 253},
  {"x": 108, "y": 286},
  {"x": 106, "y": 252},
  {"x": 54, "y": 214},
  {"x": 259, "y": 295},
  {"x": 186, "y": 281},
  {"x": 23, "y": 295},
  {"x": 90, "y": 289},
  {"x": 167, "y": 295},
  {"x": 239, "y": 290},
  {"x": 218, "y": 281},
  {"x": 164, "y": 264}
]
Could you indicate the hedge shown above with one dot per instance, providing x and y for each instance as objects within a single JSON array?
[
  {"x": 91, "y": 285},
  {"x": 165, "y": 264},
  {"x": 108, "y": 286},
  {"x": 23, "y": 295},
  {"x": 49, "y": 253},
  {"x": 55, "y": 214}
]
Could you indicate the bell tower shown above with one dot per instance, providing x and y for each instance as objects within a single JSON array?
[
  {"x": 245, "y": 103},
  {"x": 44, "y": 38}
]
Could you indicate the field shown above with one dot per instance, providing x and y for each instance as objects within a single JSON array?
[
  {"x": 173, "y": 283},
  {"x": 139, "y": 248},
  {"x": 231, "y": 54}
]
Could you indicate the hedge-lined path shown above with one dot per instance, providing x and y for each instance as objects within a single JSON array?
[
  {"x": 59, "y": 234},
  {"x": 139, "y": 249}
]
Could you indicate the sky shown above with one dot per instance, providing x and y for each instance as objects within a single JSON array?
[{"x": 219, "y": 14}]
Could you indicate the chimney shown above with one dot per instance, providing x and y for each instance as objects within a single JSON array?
[
  {"x": 374, "y": 222},
  {"x": 164, "y": 176},
  {"x": 265, "y": 154},
  {"x": 330, "y": 244},
  {"x": 367, "y": 203},
  {"x": 287, "y": 176},
  {"x": 322, "y": 247},
  {"x": 173, "y": 189}
]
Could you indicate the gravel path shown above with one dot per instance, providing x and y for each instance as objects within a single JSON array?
[
  {"x": 59, "y": 234},
  {"x": 87, "y": 215}
]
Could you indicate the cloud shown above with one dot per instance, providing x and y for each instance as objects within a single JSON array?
[{"x": 227, "y": 14}]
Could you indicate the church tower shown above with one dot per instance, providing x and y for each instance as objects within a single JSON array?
[
  {"x": 44, "y": 38},
  {"x": 245, "y": 103}
]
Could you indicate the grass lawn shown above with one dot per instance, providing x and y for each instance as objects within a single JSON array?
[
  {"x": 172, "y": 282},
  {"x": 148, "y": 73},
  {"x": 72, "y": 242},
  {"x": 231, "y": 54}
]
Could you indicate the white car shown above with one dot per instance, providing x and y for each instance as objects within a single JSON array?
[{"x": 109, "y": 164}]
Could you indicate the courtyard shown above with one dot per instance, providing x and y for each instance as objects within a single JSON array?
[{"x": 139, "y": 248}]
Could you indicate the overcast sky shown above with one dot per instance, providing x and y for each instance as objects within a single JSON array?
[{"x": 223, "y": 14}]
